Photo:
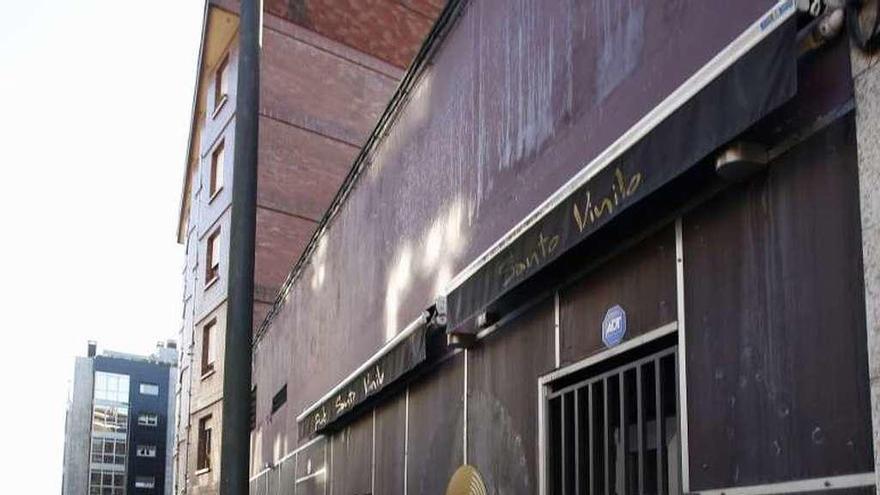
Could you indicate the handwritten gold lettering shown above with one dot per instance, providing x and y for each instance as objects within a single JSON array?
[
  {"x": 543, "y": 249},
  {"x": 586, "y": 214}
]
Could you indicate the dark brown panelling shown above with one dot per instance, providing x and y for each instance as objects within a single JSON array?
[
  {"x": 390, "y": 438},
  {"x": 435, "y": 428},
  {"x": 299, "y": 171},
  {"x": 776, "y": 352},
  {"x": 351, "y": 467},
  {"x": 503, "y": 375},
  {"x": 640, "y": 280}
]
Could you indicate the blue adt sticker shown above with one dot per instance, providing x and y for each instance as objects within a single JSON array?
[{"x": 614, "y": 326}]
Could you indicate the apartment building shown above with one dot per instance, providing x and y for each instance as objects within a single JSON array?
[
  {"x": 119, "y": 428},
  {"x": 327, "y": 70}
]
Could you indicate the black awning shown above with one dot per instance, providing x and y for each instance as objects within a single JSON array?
[
  {"x": 756, "y": 84},
  {"x": 368, "y": 382}
]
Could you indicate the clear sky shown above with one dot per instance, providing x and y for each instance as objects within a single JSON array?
[{"x": 95, "y": 100}]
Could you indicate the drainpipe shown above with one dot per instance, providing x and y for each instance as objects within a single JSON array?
[{"x": 235, "y": 434}]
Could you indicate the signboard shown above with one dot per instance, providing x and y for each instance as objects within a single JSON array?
[
  {"x": 614, "y": 326},
  {"x": 756, "y": 84},
  {"x": 377, "y": 377}
]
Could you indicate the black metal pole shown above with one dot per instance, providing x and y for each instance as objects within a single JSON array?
[{"x": 235, "y": 441}]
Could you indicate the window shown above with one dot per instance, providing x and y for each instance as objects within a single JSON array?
[
  {"x": 279, "y": 399},
  {"x": 216, "y": 179},
  {"x": 146, "y": 451},
  {"x": 221, "y": 83},
  {"x": 149, "y": 389},
  {"x": 203, "y": 457},
  {"x": 108, "y": 450},
  {"x": 208, "y": 347},
  {"x": 212, "y": 263},
  {"x": 102, "y": 482},
  {"x": 148, "y": 419},
  {"x": 615, "y": 430},
  {"x": 145, "y": 482},
  {"x": 111, "y": 387},
  {"x": 109, "y": 419}
]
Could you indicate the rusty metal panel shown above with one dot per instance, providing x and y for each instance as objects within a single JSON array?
[
  {"x": 776, "y": 361},
  {"x": 640, "y": 280},
  {"x": 503, "y": 399}
]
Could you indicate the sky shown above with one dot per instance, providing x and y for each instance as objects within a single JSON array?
[{"x": 95, "y": 101}]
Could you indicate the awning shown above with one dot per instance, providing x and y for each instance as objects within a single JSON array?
[
  {"x": 752, "y": 77},
  {"x": 397, "y": 357}
]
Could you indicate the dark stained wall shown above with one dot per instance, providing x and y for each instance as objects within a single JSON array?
[
  {"x": 776, "y": 352},
  {"x": 390, "y": 444},
  {"x": 503, "y": 400},
  {"x": 351, "y": 457},
  {"x": 640, "y": 280},
  {"x": 435, "y": 428},
  {"x": 519, "y": 97}
]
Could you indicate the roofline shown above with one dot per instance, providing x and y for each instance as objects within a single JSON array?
[
  {"x": 438, "y": 32},
  {"x": 192, "y": 125}
]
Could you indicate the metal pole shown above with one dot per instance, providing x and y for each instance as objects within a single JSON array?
[{"x": 235, "y": 434}]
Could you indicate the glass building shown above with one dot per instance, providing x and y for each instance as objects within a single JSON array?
[{"x": 120, "y": 423}]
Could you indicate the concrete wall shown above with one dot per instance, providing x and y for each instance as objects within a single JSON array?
[
  {"x": 170, "y": 431},
  {"x": 78, "y": 429},
  {"x": 866, "y": 75}
]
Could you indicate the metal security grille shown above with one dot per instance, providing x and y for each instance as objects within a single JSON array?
[{"x": 616, "y": 432}]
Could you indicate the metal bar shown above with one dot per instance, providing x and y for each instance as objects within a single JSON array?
[
  {"x": 235, "y": 430},
  {"x": 798, "y": 486},
  {"x": 543, "y": 440},
  {"x": 659, "y": 419},
  {"x": 681, "y": 352},
  {"x": 557, "y": 329},
  {"x": 607, "y": 428},
  {"x": 611, "y": 373},
  {"x": 577, "y": 442},
  {"x": 591, "y": 485},
  {"x": 627, "y": 345},
  {"x": 683, "y": 418},
  {"x": 621, "y": 395},
  {"x": 564, "y": 451},
  {"x": 640, "y": 425}
]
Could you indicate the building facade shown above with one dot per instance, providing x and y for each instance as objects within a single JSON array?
[
  {"x": 600, "y": 247},
  {"x": 119, "y": 430},
  {"x": 326, "y": 73}
]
